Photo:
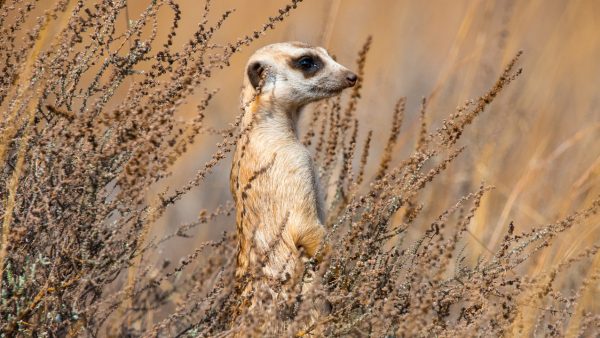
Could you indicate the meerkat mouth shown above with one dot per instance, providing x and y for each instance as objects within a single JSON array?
[{"x": 328, "y": 91}]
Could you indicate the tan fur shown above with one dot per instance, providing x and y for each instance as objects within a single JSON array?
[{"x": 273, "y": 182}]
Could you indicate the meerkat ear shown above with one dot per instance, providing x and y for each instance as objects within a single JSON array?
[{"x": 255, "y": 73}]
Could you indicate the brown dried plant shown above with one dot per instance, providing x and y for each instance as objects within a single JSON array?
[{"x": 89, "y": 126}]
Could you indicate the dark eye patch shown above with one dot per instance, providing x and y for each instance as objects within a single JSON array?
[{"x": 308, "y": 64}]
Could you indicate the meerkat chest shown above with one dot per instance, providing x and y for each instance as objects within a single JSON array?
[
  {"x": 274, "y": 170},
  {"x": 273, "y": 160},
  {"x": 283, "y": 154}
]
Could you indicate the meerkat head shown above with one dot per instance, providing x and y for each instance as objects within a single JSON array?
[{"x": 294, "y": 74}]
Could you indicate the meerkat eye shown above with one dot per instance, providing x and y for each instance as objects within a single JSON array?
[{"x": 306, "y": 62}]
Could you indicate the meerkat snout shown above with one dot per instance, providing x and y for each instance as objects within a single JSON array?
[{"x": 351, "y": 78}]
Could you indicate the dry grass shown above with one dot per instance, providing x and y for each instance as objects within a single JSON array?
[{"x": 103, "y": 106}]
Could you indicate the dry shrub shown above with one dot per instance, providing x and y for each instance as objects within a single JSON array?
[{"x": 79, "y": 160}]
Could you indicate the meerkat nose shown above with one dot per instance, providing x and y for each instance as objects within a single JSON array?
[{"x": 351, "y": 78}]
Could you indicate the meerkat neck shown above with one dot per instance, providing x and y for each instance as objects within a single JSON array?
[{"x": 283, "y": 120}]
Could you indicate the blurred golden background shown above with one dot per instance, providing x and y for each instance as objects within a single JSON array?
[{"x": 538, "y": 144}]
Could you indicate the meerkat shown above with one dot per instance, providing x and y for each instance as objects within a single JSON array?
[{"x": 279, "y": 211}]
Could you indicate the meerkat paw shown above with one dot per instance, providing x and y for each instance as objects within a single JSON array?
[{"x": 312, "y": 243}]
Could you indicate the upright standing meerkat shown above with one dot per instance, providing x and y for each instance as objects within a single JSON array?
[{"x": 279, "y": 212}]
